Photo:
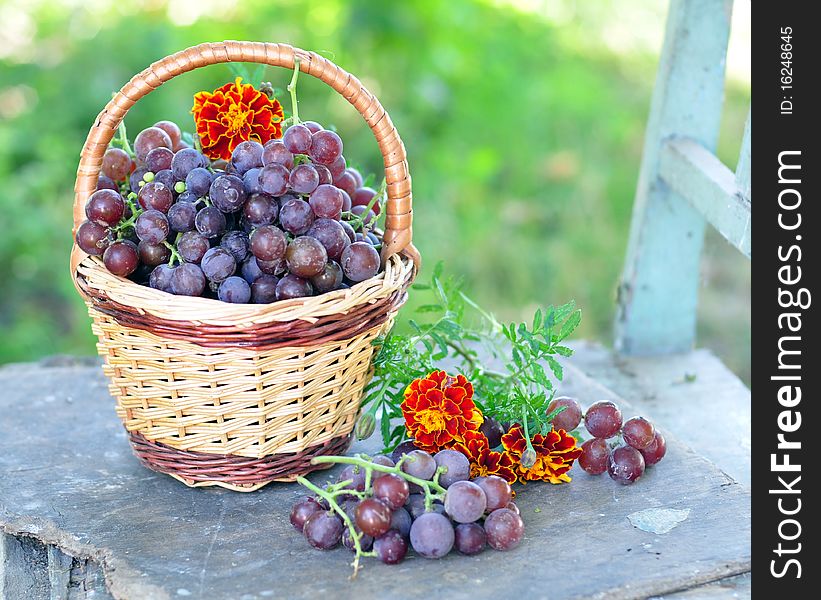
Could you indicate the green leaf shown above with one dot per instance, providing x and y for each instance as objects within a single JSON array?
[
  {"x": 570, "y": 325},
  {"x": 555, "y": 367},
  {"x": 563, "y": 350},
  {"x": 564, "y": 310},
  {"x": 385, "y": 429},
  {"x": 426, "y": 308},
  {"x": 537, "y": 319},
  {"x": 438, "y": 269},
  {"x": 420, "y": 286}
]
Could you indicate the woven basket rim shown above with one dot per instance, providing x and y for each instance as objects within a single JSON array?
[{"x": 399, "y": 270}]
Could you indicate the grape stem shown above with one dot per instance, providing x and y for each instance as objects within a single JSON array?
[
  {"x": 175, "y": 255},
  {"x": 292, "y": 90},
  {"x": 330, "y": 495},
  {"x": 136, "y": 211}
]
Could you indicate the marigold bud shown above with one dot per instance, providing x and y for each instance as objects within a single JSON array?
[
  {"x": 365, "y": 426},
  {"x": 528, "y": 458}
]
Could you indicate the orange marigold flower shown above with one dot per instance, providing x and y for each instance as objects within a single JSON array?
[
  {"x": 483, "y": 460},
  {"x": 555, "y": 453},
  {"x": 235, "y": 113},
  {"x": 439, "y": 409}
]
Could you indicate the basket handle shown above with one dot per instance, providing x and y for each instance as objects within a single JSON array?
[{"x": 399, "y": 214}]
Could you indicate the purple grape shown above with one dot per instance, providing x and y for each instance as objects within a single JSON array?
[
  {"x": 368, "y": 219},
  {"x": 470, "y": 538},
  {"x": 237, "y": 243},
  {"x": 337, "y": 167},
  {"x": 275, "y": 152},
  {"x": 106, "y": 183},
  {"x": 365, "y": 541},
  {"x": 218, "y": 264},
  {"x": 160, "y": 278},
  {"x": 235, "y": 290},
  {"x": 402, "y": 449},
  {"x": 357, "y": 177},
  {"x": 210, "y": 222},
  {"x": 432, "y": 535},
  {"x": 626, "y": 464},
  {"x": 655, "y": 451},
  {"x": 192, "y": 246},
  {"x": 306, "y": 257},
  {"x": 419, "y": 464},
  {"x": 312, "y": 126},
  {"x": 250, "y": 270},
  {"x": 159, "y": 159},
  {"x": 264, "y": 288},
  {"x": 603, "y": 419},
  {"x": 152, "y": 255},
  {"x": 391, "y": 547},
  {"x": 268, "y": 243},
  {"x": 181, "y": 216},
  {"x": 185, "y": 161},
  {"x": 504, "y": 528},
  {"x": 250, "y": 181},
  {"x": 273, "y": 179},
  {"x": 296, "y": 216},
  {"x": 135, "y": 179},
  {"x": 638, "y": 432},
  {"x": 302, "y": 510},
  {"x": 292, "y": 286},
  {"x": 325, "y": 147},
  {"x": 105, "y": 207},
  {"x": 121, "y": 258},
  {"x": 323, "y": 530},
  {"x": 247, "y": 155},
  {"x": 329, "y": 279},
  {"x": 457, "y": 467},
  {"x": 465, "y": 502},
  {"x": 152, "y": 227},
  {"x": 401, "y": 521},
  {"x": 155, "y": 195},
  {"x": 166, "y": 177},
  {"x": 272, "y": 267},
  {"x": 493, "y": 431},
  {"x": 595, "y": 456},
  {"x": 352, "y": 237},
  {"x": 198, "y": 181},
  {"x": 227, "y": 193},
  {"x": 116, "y": 164},
  {"x": 303, "y": 179},
  {"x": 326, "y": 201},
  {"x": 497, "y": 491},
  {"x": 360, "y": 261},
  {"x": 148, "y": 139},
  {"x": 260, "y": 209},
  {"x": 325, "y": 177},
  {"x": 297, "y": 139},
  {"x": 391, "y": 489},
  {"x": 373, "y": 516},
  {"x": 346, "y": 182},
  {"x": 570, "y": 417},
  {"x": 92, "y": 238},
  {"x": 188, "y": 280}
]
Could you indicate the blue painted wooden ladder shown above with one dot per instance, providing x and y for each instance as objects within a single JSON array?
[{"x": 682, "y": 185}]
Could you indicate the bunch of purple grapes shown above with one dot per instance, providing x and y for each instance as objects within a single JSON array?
[
  {"x": 285, "y": 220},
  {"x": 642, "y": 444},
  {"x": 393, "y": 514}
]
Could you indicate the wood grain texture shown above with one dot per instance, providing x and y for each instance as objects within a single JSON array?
[
  {"x": 695, "y": 174},
  {"x": 79, "y": 488}
]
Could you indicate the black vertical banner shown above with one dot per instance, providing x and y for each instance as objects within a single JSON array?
[{"x": 786, "y": 175}]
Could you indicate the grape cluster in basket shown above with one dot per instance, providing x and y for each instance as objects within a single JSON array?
[
  {"x": 385, "y": 506},
  {"x": 285, "y": 220},
  {"x": 642, "y": 444}
]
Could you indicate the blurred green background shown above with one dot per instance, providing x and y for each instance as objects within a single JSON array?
[{"x": 523, "y": 121}]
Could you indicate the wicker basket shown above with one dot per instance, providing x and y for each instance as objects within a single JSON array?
[{"x": 240, "y": 395}]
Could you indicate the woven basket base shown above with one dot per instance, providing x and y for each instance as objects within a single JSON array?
[{"x": 237, "y": 473}]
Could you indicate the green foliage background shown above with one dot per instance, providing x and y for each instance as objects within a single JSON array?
[{"x": 524, "y": 138}]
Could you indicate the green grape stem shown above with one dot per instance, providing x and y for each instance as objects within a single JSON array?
[
  {"x": 292, "y": 89},
  {"x": 330, "y": 495},
  {"x": 175, "y": 255}
]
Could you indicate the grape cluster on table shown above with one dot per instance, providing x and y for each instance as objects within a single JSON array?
[
  {"x": 642, "y": 444},
  {"x": 391, "y": 517},
  {"x": 285, "y": 220}
]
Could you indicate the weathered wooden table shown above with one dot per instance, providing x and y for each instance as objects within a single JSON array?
[{"x": 82, "y": 519}]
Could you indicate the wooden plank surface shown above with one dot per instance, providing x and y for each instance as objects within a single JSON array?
[{"x": 70, "y": 481}]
